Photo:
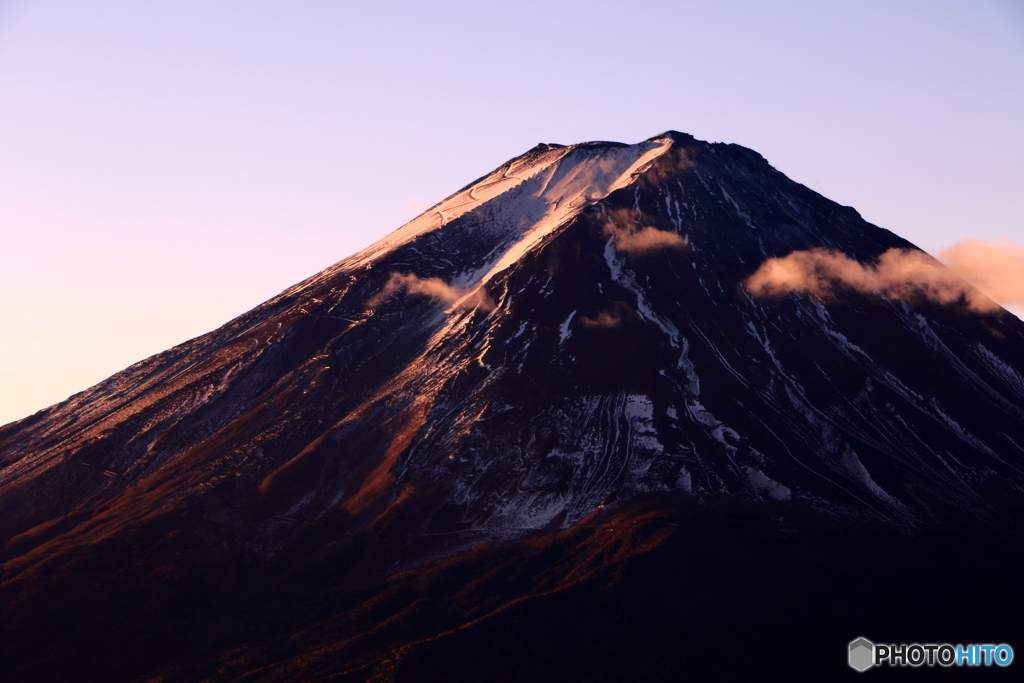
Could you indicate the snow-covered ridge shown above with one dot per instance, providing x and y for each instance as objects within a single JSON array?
[{"x": 535, "y": 193}]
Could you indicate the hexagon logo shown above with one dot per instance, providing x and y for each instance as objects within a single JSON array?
[{"x": 862, "y": 654}]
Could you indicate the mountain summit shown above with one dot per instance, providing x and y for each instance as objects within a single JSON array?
[{"x": 554, "y": 373}]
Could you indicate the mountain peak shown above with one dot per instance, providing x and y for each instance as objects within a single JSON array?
[
  {"x": 564, "y": 353},
  {"x": 675, "y": 136}
]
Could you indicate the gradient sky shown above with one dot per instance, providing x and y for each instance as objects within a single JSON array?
[{"x": 165, "y": 166}]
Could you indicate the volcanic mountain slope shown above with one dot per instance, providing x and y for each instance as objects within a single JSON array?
[{"x": 565, "y": 342}]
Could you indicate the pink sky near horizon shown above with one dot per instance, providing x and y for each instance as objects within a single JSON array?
[{"x": 165, "y": 167}]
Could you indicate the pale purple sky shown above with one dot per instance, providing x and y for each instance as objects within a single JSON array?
[{"x": 165, "y": 166}]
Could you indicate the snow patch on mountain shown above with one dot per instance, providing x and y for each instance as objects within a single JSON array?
[
  {"x": 761, "y": 483},
  {"x": 563, "y": 330}
]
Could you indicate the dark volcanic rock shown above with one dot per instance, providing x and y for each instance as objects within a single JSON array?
[{"x": 544, "y": 423}]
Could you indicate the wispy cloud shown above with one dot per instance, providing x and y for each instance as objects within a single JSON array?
[
  {"x": 668, "y": 165},
  {"x": 435, "y": 288},
  {"x": 905, "y": 274},
  {"x": 414, "y": 206},
  {"x": 611, "y": 317},
  {"x": 603, "y": 319},
  {"x": 624, "y": 227},
  {"x": 996, "y": 269}
]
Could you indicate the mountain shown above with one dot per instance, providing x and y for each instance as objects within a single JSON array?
[{"x": 544, "y": 431}]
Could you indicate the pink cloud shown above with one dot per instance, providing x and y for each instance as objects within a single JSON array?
[
  {"x": 623, "y": 228},
  {"x": 899, "y": 273},
  {"x": 435, "y": 288},
  {"x": 996, "y": 269}
]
